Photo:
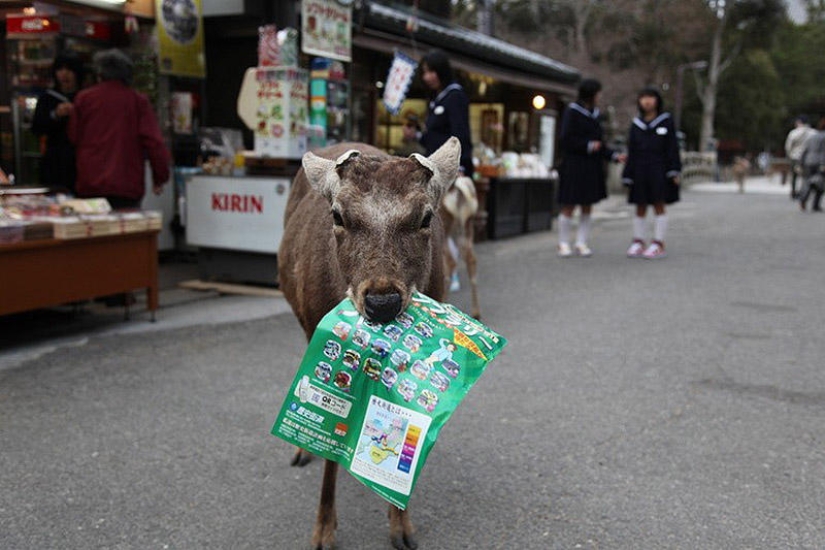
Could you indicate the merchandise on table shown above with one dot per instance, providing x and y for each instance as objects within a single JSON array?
[
  {"x": 374, "y": 397},
  {"x": 37, "y": 217}
]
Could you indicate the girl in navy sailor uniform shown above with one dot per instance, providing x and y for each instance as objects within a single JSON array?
[
  {"x": 582, "y": 173},
  {"x": 651, "y": 173},
  {"x": 449, "y": 111},
  {"x": 448, "y": 115}
]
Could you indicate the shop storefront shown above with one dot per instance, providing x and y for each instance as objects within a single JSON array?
[
  {"x": 43, "y": 231},
  {"x": 347, "y": 52},
  {"x": 36, "y": 32},
  {"x": 516, "y": 96}
]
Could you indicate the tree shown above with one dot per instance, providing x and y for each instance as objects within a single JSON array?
[{"x": 737, "y": 22}]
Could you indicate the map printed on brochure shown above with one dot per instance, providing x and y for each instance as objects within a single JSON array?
[{"x": 373, "y": 397}]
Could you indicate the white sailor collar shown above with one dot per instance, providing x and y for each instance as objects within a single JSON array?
[
  {"x": 584, "y": 111},
  {"x": 653, "y": 123},
  {"x": 445, "y": 91}
]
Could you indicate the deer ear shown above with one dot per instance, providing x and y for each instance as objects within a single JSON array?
[
  {"x": 322, "y": 173},
  {"x": 444, "y": 166}
]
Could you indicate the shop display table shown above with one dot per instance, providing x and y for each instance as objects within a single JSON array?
[
  {"x": 520, "y": 205},
  {"x": 51, "y": 272}
]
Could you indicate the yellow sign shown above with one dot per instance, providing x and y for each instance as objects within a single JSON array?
[{"x": 180, "y": 37}]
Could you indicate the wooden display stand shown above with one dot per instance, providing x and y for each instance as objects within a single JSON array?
[
  {"x": 52, "y": 272},
  {"x": 519, "y": 205}
]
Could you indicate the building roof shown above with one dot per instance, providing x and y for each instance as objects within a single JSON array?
[{"x": 470, "y": 50}]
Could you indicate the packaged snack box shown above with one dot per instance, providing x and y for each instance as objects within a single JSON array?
[{"x": 373, "y": 397}]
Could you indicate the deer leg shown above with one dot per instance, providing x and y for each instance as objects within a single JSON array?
[
  {"x": 323, "y": 536},
  {"x": 402, "y": 534},
  {"x": 450, "y": 265},
  {"x": 300, "y": 458},
  {"x": 469, "y": 255}
]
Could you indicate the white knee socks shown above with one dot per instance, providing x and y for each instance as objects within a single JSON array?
[
  {"x": 660, "y": 227},
  {"x": 639, "y": 228},
  {"x": 565, "y": 222},
  {"x": 583, "y": 232}
]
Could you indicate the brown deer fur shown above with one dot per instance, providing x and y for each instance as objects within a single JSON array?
[
  {"x": 458, "y": 209},
  {"x": 362, "y": 224}
]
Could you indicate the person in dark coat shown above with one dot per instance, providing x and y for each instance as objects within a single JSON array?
[
  {"x": 448, "y": 115},
  {"x": 449, "y": 111},
  {"x": 651, "y": 173},
  {"x": 582, "y": 171},
  {"x": 50, "y": 121}
]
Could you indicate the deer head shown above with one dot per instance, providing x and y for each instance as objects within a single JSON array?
[{"x": 383, "y": 221}]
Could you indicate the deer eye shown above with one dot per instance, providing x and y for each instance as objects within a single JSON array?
[
  {"x": 427, "y": 220},
  {"x": 337, "y": 219}
]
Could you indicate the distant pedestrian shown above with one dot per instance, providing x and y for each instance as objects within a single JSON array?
[
  {"x": 813, "y": 168},
  {"x": 652, "y": 173},
  {"x": 582, "y": 170},
  {"x": 794, "y": 145},
  {"x": 115, "y": 130},
  {"x": 741, "y": 167}
]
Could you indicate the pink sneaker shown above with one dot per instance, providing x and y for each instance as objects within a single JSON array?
[
  {"x": 655, "y": 251},
  {"x": 637, "y": 249}
]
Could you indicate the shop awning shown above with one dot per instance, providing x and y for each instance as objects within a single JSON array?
[{"x": 381, "y": 28}]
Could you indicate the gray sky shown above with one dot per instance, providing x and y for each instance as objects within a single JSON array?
[{"x": 796, "y": 10}]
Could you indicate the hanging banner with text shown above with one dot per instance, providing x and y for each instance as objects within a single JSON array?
[{"x": 398, "y": 82}]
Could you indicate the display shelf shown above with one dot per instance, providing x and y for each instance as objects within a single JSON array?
[{"x": 87, "y": 269}]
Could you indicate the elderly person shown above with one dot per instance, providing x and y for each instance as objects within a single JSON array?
[
  {"x": 794, "y": 145},
  {"x": 813, "y": 168},
  {"x": 114, "y": 130}
]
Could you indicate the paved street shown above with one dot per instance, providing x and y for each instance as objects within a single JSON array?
[{"x": 673, "y": 404}]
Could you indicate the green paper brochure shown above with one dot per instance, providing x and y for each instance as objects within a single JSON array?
[{"x": 373, "y": 397}]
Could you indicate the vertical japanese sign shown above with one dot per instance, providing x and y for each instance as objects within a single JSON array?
[
  {"x": 401, "y": 74},
  {"x": 180, "y": 37},
  {"x": 326, "y": 29}
]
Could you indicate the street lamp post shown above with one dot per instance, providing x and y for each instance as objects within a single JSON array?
[{"x": 680, "y": 76}]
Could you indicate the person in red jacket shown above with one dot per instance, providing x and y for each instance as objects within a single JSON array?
[{"x": 115, "y": 130}]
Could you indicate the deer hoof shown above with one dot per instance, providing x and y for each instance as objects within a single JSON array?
[
  {"x": 301, "y": 458},
  {"x": 324, "y": 537},
  {"x": 404, "y": 542}
]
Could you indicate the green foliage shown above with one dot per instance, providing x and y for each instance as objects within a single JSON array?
[
  {"x": 751, "y": 102},
  {"x": 801, "y": 66}
]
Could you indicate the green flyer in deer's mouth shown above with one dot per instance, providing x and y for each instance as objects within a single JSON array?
[{"x": 373, "y": 397}]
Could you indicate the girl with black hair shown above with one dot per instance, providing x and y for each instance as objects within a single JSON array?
[
  {"x": 651, "y": 173},
  {"x": 449, "y": 111},
  {"x": 582, "y": 173},
  {"x": 50, "y": 121},
  {"x": 448, "y": 115}
]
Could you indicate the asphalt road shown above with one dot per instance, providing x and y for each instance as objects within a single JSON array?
[{"x": 672, "y": 404}]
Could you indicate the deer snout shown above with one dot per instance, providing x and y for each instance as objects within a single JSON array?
[{"x": 382, "y": 308}]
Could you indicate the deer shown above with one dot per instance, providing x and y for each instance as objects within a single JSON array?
[
  {"x": 362, "y": 224},
  {"x": 458, "y": 208}
]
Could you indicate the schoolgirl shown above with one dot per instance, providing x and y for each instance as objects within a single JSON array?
[
  {"x": 651, "y": 173},
  {"x": 582, "y": 173}
]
